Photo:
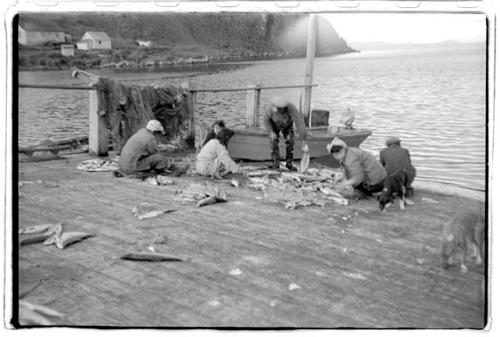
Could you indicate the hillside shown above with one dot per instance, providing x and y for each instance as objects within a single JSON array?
[
  {"x": 199, "y": 35},
  {"x": 378, "y": 45}
]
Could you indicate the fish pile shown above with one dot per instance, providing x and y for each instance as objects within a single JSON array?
[
  {"x": 160, "y": 180},
  {"x": 313, "y": 186},
  {"x": 51, "y": 234},
  {"x": 98, "y": 165}
]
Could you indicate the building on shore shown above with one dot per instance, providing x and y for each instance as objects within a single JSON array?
[
  {"x": 36, "y": 31},
  {"x": 94, "y": 40},
  {"x": 67, "y": 50},
  {"x": 144, "y": 44}
]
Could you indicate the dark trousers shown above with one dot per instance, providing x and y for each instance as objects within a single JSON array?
[
  {"x": 289, "y": 136},
  {"x": 363, "y": 190},
  {"x": 411, "y": 173},
  {"x": 153, "y": 163}
]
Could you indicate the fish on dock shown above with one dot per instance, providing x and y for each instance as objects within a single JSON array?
[
  {"x": 57, "y": 232},
  {"x": 306, "y": 158},
  {"x": 148, "y": 211},
  {"x": 154, "y": 257},
  {"x": 36, "y": 229},
  {"x": 35, "y": 238},
  {"x": 68, "y": 238},
  {"x": 219, "y": 197}
]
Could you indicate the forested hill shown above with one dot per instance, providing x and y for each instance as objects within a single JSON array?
[{"x": 252, "y": 32}]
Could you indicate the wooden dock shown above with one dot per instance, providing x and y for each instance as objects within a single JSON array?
[{"x": 249, "y": 263}]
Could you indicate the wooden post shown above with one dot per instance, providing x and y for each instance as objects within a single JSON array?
[
  {"x": 311, "y": 49},
  {"x": 253, "y": 105},
  {"x": 191, "y": 107},
  {"x": 98, "y": 130}
]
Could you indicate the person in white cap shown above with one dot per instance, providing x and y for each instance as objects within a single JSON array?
[
  {"x": 141, "y": 154},
  {"x": 395, "y": 159},
  {"x": 280, "y": 117},
  {"x": 362, "y": 170}
]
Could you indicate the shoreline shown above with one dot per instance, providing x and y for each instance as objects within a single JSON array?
[
  {"x": 181, "y": 61},
  {"x": 450, "y": 190}
]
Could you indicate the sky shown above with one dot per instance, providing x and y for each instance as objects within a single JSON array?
[{"x": 408, "y": 28}]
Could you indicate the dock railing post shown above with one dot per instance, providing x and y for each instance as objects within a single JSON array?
[
  {"x": 98, "y": 130},
  {"x": 311, "y": 49},
  {"x": 191, "y": 107},
  {"x": 253, "y": 105}
]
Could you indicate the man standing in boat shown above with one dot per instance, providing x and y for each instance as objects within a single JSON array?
[{"x": 280, "y": 117}]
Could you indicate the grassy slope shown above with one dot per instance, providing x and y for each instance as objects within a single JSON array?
[{"x": 183, "y": 36}]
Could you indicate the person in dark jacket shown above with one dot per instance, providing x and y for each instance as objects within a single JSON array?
[
  {"x": 395, "y": 159},
  {"x": 280, "y": 118},
  {"x": 141, "y": 154},
  {"x": 214, "y": 131}
]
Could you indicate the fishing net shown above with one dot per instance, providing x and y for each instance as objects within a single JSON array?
[{"x": 129, "y": 107}]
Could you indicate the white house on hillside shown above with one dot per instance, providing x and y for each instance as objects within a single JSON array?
[
  {"x": 144, "y": 44},
  {"x": 94, "y": 40},
  {"x": 35, "y": 31},
  {"x": 67, "y": 50}
]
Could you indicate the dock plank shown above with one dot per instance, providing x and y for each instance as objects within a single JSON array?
[{"x": 364, "y": 270}]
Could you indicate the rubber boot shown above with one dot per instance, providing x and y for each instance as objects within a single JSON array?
[
  {"x": 275, "y": 155},
  {"x": 409, "y": 192},
  {"x": 289, "y": 142}
]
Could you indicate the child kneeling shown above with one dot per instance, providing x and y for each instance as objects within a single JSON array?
[{"x": 214, "y": 160}]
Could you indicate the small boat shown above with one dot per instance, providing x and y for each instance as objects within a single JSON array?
[
  {"x": 252, "y": 143},
  {"x": 54, "y": 147}
]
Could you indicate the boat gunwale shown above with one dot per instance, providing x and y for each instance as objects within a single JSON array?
[{"x": 260, "y": 132}]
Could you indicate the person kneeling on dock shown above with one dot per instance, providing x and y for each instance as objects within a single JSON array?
[
  {"x": 140, "y": 155},
  {"x": 214, "y": 131},
  {"x": 213, "y": 158},
  {"x": 362, "y": 170},
  {"x": 280, "y": 117},
  {"x": 396, "y": 160}
]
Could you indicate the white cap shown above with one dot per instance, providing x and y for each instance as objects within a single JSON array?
[
  {"x": 336, "y": 141},
  {"x": 279, "y": 101},
  {"x": 155, "y": 126}
]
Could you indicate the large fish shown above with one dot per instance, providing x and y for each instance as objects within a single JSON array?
[
  {"x": 36, "y": 314},
  {"x": 154, "y": 257},
  {"x": 306, "y": 158},
  {"x": 36, "y": 238},
  {"x": 57, "y": 232},
  {"x": 68, "y": 238},
  {"x": 36, "y": 229},
  {"x": 220, "y": 196}
]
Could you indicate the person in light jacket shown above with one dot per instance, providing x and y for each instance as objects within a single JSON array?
[
  {"x": 214, "y": 160},
  {"x": 362, "y": 170},
  {"x": 214, "y": 131}
]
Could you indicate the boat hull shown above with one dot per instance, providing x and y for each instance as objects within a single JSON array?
[{"x": 253, "y": 143}]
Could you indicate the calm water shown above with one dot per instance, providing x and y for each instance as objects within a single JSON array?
[{"x": 433, "y": 100}]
